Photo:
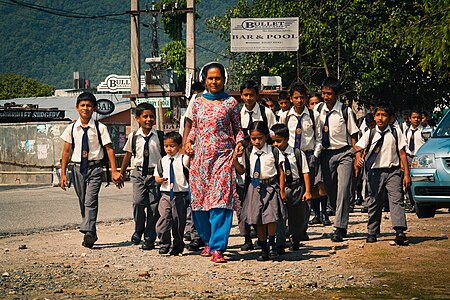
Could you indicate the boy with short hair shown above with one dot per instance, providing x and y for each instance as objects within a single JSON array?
[
  {"x": 384, "y": 149},
  {"x": 285, "y": 105},
  {"x": 85, "y": 138},
  {"x": 171, "y": 174},
  {"x": 339, "y": 135},
  {"x": 298, "y": 185},
  {"x": 414, "y": 140},
  {"x": 146, "y": 146}
]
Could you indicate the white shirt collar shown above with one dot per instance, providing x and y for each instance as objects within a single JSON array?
[
  {"x": 91, "y": 123},
  {"x": 264, "y": 149},
  {"x": 139, "y": 132}
]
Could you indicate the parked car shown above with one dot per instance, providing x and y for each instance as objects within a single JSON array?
[{"x": 430, "y": 170}]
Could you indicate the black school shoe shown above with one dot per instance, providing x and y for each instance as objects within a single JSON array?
[
  {"x": 371, "y": 238},
  {"x": 326, "y": 220},
  {"x": 247, "y": 246},
  {"x": 89, "y": 239},
  {"x": 295, "y": 246},
  {"x": 195, "y": 245},
  {"x": 149, "y": 245},
  {"x": 400, "y": 237},
  {"x": 176, "y": 251},
  {"x": 273, "y": 253},
  {"x": 263, "y": 256},
  {"x": 136, "y": 238},
  {"x": 338, "y": 235},
  {"x": 162, "y": 250},
  {"x": 316, "y": 220}
]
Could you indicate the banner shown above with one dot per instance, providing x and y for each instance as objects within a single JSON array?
[{"x": 264, "y": 35}]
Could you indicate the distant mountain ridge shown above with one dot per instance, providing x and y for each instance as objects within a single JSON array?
[{"x": 50, "y": 48}]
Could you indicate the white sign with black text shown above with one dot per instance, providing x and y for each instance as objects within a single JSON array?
[
  {"x": 117, "y": 83},
  {"x": 264, "y": 35}
]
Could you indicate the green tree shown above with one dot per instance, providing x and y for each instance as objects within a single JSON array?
[
  {"x": 18, "y": 86},
  {"x": 355, "y": 40},
  {"x": 174, "y": 54}
]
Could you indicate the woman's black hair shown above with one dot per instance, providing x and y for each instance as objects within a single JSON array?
[
  {"x": 281, "y": 130},
  {"x": 249, "y": 84}
]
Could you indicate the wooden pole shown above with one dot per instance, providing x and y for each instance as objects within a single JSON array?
[
  {"x": 190, "y": 44},
  {"x": 135, "y": 70}
]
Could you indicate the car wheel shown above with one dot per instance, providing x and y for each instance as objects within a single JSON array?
[{"x": 425, "y": 211}]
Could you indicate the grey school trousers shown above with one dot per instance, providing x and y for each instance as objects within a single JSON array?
[
  {"x": 145, "y": 205},
  {"x": 391, "y": 179},
  {"x": 337, "y": 168},
  {"x": 172, "y": 217},
  {"x": 87, "y": 190}
]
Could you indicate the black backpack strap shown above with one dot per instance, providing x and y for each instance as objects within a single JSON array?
[
  {"x": 276, "y": 155},
  {"x": 262, "y": 108},
  {"x": 73, "y": 140},
  {"x": 298, "y": 160},
  {"x": 159, "y": 168},
  {"x": 371, "y": 135},
  {"x": 247, "y": 180},
  {"x": 161, "y": 142},
  {"x": 319, "y": 108},
  {"x": 344, "y": 110},
  {"x": 395, "y": 134},
  {"x": 133, "y": 143},
  {"x": 105, "y": 160},
  {"x": 311, "y": 115},
  {"x": 185, "y": 169}
]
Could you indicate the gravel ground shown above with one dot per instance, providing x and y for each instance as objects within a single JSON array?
[{"x": 54, "y": 265}]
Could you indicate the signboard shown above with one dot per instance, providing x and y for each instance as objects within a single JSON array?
[
  {"x": 264, "y": 35},
  {"x": 24, "y": 115},
  {"x": 155, "y": 101},
  {"x": 117, "y": 83},
  {"x": 104, "y": 107}
]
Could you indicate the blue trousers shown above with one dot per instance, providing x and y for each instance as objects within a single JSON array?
[{"x": 214, "y": 227}]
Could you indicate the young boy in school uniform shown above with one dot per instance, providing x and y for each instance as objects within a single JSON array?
[
  {"x": 171, "y": 174},
  {"x": 146, "y": 146},
  {"x": 298, "y": 185},
  {"x": 414, "y": 140},
  {"x": 339, "y": 135},
  {"x": 304, "y": 134},
  {"x": 83, "y": 138},
  {"x": 384, "y": 149}
]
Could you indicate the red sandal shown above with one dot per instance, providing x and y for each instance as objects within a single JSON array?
[
  {"x": 206, "y": 252},
  {"x": 218, "y": 257}
]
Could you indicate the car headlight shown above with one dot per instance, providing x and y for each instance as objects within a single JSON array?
[{"x": 424, "y": 161}]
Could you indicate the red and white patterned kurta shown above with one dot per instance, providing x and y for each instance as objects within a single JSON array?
[{"x": 216, "y": 128}]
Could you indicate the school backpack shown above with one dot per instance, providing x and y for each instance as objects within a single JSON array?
[
  {"x": 160, "y": 138},
  {"x": 185, "y": 170},
  {"x": 105, "y": 159}
]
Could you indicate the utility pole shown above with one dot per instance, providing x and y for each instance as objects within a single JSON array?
[
  {"x": 135, "y": 70},
  {"x": 190, "y": 45}
]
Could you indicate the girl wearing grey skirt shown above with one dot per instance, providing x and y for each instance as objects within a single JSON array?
[{"x": 264, "y": 187}]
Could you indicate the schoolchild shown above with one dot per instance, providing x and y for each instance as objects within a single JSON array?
[
  {"x": 253, "y": 111},
  {"x": 339, "y": 135},
  {"x": 414, "y": 140},
  {"x": 265, "y": 188},
  {"x": 426, "y": 121},
  {"x": 172, "y": 174},
  {"x": 304, "y": 134},
  {"x": 147, "y": 147},
  {"x": 405, "y": 121},
  {"x": 384, "y": 151},
  {"x": 273, "y": 106},
  {"x": 85, "y": 139},
  {"x": 284, "y": 101},
  {"x": 297, "y": 183},
  {"x": 320, "y": 199}
]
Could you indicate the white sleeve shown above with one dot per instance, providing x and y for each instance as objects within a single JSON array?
[
  {"x": 106, "y": 138},
  {"x": 352, "y": 128},
  {"x": 67, "y": 134},
  {"x": 364, "y": 140},
  {"x": 305, "y": 168},
  {"x": 127, "y": 146}
]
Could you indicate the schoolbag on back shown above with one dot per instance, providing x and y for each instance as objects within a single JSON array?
[{"x": 160, "y": 138}]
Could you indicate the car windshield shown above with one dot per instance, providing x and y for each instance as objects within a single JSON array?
[{"x": 443, "y": 129}]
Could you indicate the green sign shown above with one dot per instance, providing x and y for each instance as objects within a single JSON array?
[{"x": 155, "y": 101}]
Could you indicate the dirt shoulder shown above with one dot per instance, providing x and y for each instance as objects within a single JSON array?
[{"x": 54, "y": 265}]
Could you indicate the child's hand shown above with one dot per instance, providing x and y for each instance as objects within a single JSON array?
[
  {"x": 407, "y": 181},
  {"x": 63, "y": 182},
  {"x": 116, "y": 177},
  {"x": 188, "y": 148},
  {"x": 161, "y": 180},
  {"x": 120, "y": 184},
  {"x": 283, "y": 195},
  {"x": 359, "y": 161},
  {"x": 307, "y": 196}
]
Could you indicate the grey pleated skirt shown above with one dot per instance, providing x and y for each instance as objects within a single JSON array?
[{"x": 262, "y": 205}]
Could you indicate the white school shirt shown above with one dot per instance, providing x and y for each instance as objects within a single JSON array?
[
  {"x": 187, "y": 114},
  {"x": 418, "y": 139},
  {"x": 293, "y": 162},
  {"x": 95, "y": 150},
  {"x": 339, "y": 134},
  {"x": 180, "y": 184},
  {"x": 387, "y": 157},
  {"x": 281, "y": 115},
  {"x": 256, "y": 116},
  {"x": 153, "y": 148},
  {"x": 311, "y": 137},
  {"x": 268, "y": 168}
]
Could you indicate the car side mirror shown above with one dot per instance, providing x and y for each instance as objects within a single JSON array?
[{"x": 426, "y": 133}]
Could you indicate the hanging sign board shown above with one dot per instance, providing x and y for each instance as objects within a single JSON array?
[
  {"x": 104, "y": 107},
  {"x": 117, "y": 83},
  {"x": 155, "y": 101},
  {"x": 264, "y": 35}
]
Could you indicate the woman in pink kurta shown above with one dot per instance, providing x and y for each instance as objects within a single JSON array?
[{"x": 216, "y": 131}]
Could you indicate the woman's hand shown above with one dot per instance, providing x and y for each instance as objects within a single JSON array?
[{"x": 188, "y": 148}]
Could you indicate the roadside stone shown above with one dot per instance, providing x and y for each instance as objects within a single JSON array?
[
  {"x": 143, "y": 274},
  {"x": 22, "y": 247},
  {"x": 392, "y": 243},
  {"x": 350, "y": 277},
  {"x": 5, "y": 275}
]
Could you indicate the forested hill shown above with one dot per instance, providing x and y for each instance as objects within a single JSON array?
[{"x": 49, "y": 47}]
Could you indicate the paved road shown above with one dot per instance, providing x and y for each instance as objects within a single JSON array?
[{"x": 25, "y": 209}]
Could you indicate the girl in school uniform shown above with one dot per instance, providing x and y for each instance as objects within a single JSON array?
[{"x": 264, "y": 187}]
